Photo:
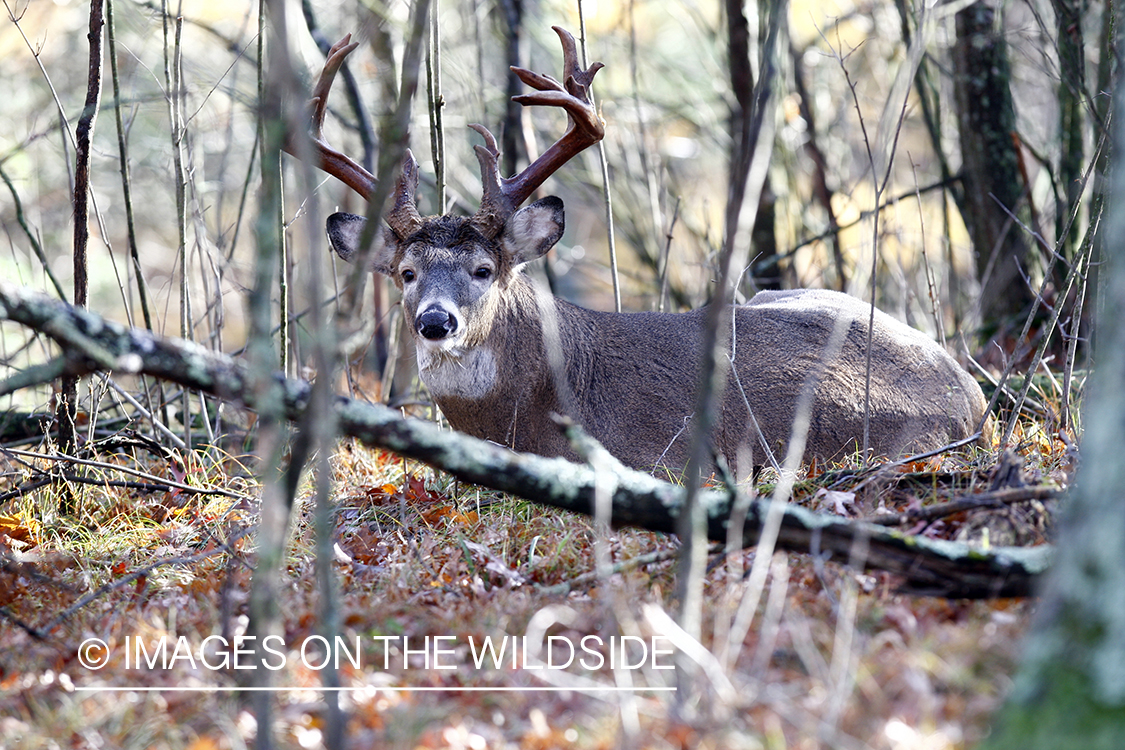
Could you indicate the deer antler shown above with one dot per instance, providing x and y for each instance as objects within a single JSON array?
[
  {"x": 339, "y": 165},
  {"x": 403, "y": 217},
  {"x": 501, "y": 196},
  {"x": 584, "y": 128}
]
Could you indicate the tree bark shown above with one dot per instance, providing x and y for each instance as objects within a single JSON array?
[
  {"x": 67, "y": 406},
  {"x": 763, "y": 237},
  {"x": 511, "y": 134},
  {"x": 991, "y": 176},
  {"x": 1072, "y": 87},
  {"x": 1070, "y": 691}
]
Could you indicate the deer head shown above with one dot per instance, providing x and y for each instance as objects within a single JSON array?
[{"x": 450, "y": 266}]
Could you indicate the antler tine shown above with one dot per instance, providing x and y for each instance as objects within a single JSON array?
[
  {"x": 332, "y": 63},
  {"x": 584, "y": 128},
  {"x": 403, "y": 217},
  {"x": 335, "y": 163},
  {"x": 495, "y": 207}
]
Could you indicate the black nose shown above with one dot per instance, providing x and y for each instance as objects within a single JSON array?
[{"x": 436, "y": 324}]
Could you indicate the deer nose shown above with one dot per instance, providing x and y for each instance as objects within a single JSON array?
[{"x": 436, "y": 324}]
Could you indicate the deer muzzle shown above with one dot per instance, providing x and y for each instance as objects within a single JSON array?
[{"x": 436, "y": 324}]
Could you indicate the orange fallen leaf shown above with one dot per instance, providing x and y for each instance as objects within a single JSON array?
[{"x": 15, "y": 528}]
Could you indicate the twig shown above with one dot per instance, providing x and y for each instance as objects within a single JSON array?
[
  {"x": 123, "y": 163},
  {"x": 992, "y": 499},
  {"x": 1071, "y": 352},
  {"x": 230, "y": 43},
  {"x": 878, "y": 471},
  {"x": 931, "y": 287},
  {"x": 31, "y": 630},
  {"x": 126, "y": 187},
  {"x": 156, "y": 423},
  {"x": 667, "y": 256},
  {"x": 867, "y": 214},
  {"x": 174, "y": 93},
  {"x": 24, "y": 489},
  {"x": 607, "y": 195},
  {"x": 255, "y": 149},
  {"x": 879, "y": 186},
  {"x": 436, "y": 104},
  {"x": 31, "y": 238},
  {"x": 124, "y": 470},
  {"x": 69, "y": 136},
  {"x": 650, "y": 167},
  {"x": 30, "y": 570},
  {"x": 621, "y": 566}
]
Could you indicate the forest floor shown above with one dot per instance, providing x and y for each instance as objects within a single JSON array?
[{"x": 426, "y": 570}]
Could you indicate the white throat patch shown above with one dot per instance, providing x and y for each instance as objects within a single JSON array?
[{"x": 461, "y": 373}]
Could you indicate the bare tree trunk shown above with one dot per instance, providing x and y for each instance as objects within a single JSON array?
[
  {"x": 762, "y": 238},
  {"x": 992, "y": 181},
  {"x": 1104, "y": 77},
  {"x": 1072, "y": 84},
  {"x": 821, "y": 192},
  {"x": 67, "y": 406},
  {"x": 747, "y": 177},
  {"x": 511, "y": 136}
]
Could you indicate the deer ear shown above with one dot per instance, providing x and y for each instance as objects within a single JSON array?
[
  {"x": 344, "y": 233},
  {"x": 533, "y": 230}
]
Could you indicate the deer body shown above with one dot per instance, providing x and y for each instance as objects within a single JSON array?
[
  {"x": 501, "y": 358},
  {"x": 484, "y": 335}
]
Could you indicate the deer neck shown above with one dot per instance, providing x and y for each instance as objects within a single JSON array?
[
  {"x": 470, "y": 374},
  {"x": 501, "y": 387}
]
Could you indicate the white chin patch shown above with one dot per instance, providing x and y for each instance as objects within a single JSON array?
[
  {"x": 447, "y": 346},
  {"x": 450, "y": 372}
]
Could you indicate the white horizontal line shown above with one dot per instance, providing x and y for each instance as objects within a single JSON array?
[{"x": 404, "y": 689}]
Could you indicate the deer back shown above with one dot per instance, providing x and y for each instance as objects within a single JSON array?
[{"x": 815, "y": 342}]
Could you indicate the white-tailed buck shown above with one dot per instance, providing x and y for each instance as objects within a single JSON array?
[{"x": 501, "y": 357}]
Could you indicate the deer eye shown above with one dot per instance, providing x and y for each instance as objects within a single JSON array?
[
  {"x": 407, "y": 276},
  {"x": 483, "y": 272}
]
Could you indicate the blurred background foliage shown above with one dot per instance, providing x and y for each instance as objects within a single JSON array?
[{"x": 845, "y": 96}]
